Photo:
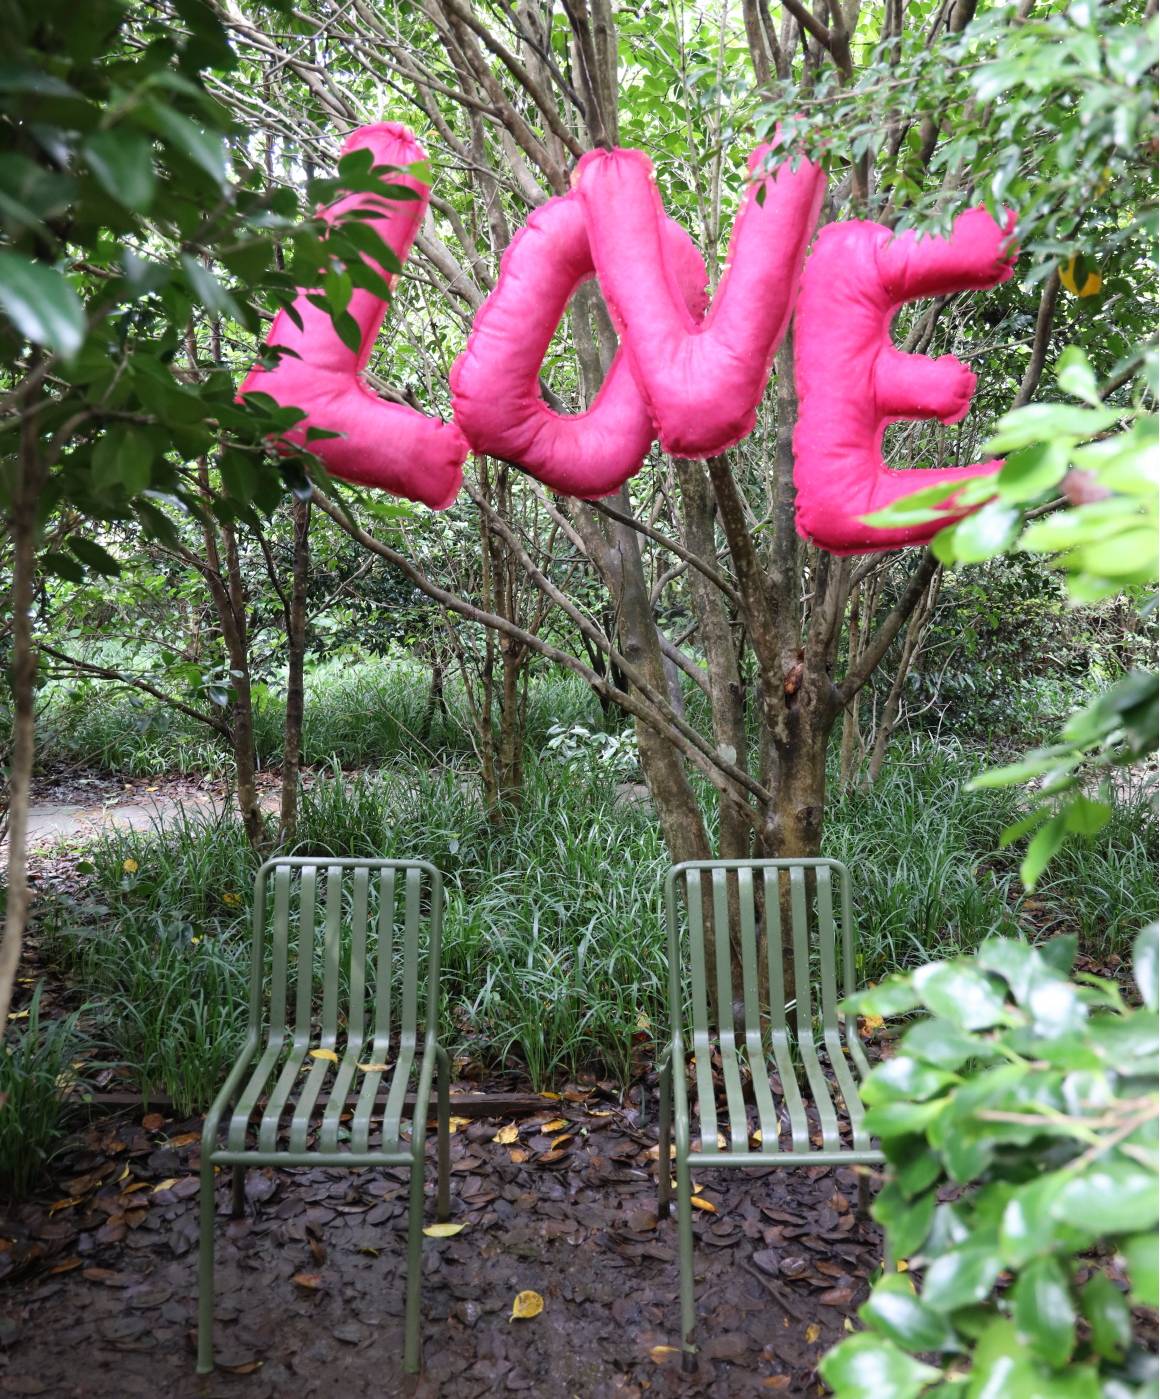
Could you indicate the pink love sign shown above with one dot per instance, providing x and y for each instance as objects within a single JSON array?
[{"x": 689, "y": 371}]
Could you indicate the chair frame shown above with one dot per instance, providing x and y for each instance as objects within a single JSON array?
[
  {"x": 289, "y": 1045},
  {"x": 673, "y": 1088}
]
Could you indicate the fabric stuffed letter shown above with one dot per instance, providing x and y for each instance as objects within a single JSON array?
[
  {"x": 701, "y": 379},
  {"x": 852, "y": 383},
  {"x": 495, "y": 382},
  {"x": 387, "y": 445}
]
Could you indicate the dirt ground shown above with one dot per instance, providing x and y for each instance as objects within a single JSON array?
[{"x": 100, "y": 1289}]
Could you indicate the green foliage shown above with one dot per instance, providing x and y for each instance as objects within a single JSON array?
[
  {"x": 1033, "y": 1094},
  {"x": 37, "y": 1059}
]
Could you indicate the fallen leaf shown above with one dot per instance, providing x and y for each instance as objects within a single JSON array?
[
  {"x": 165, "y": 1184},
  {"x": 375, "y": 1068},
  {"x": 655, "y": 1151},
  {"x": 847, "y": 1324},
  {"x": 328, "y": 1054},
  {"x": 65, "y": 1265},
  {"x": 374, "y": 1253},
  {"x": 129, "y": 866},
  {"x": 526, "y": 1305},
  {"x": 660, "y": 1354},
  {"x": 551, "y": 1095},
  {"x": 442, "y": 1231},
  {"x": 870, "y": 1023},
  {"x": 506, "y": 1135},
  {"x": 559, "y": 1142},
  {"x": 185, "y": 1139},
  {"x": 755, "y": 1136},
  {"x": 457, "y": 1122},
  {"x": 518, "y": 1156},
  {"x": 903, "y": 1265},
  {"x": 813, "y": 1331},
  {"x": 837, "y": 1296},
  {"x": 312, "y": 1281},
  {"x": 605, "y": 1112},
  {"x": 555, "y": 1125},
  {"x": 61, "y": 1205},
  {"x": 153, "y": 1123},
  {"x": 776, "y": 1382}
]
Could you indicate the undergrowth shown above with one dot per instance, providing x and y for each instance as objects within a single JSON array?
[{"x": 553, "y": 938}]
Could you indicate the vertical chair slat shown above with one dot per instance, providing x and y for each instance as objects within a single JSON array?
[
  {"x": 408, "y": 1034},
  {"x": 702, "y": 1041},
  {"x": 726, "y": 1035},
  {"x": 331, "y": 1119},
  {"x": 381, "y": 1045},
  {"x": 328, "y": 1036},
  {"x": 303, "y": 996},
  {"x": 819, "y": 1087},
  {"x": 779, "y": 1034},
  {"x": 276, "y": 1035},
  {"x": 754, "y": 1044},
  {"x": 831, "y": 1031}
]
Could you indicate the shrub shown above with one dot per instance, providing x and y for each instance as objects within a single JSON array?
[{"x": 1033, "y": 1095}]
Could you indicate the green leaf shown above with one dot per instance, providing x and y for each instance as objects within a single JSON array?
[
  {"x": 904, "y": 1077},
  {"x": 893, "y": 1309},
  {"x": 1085, "y": 817},
  {"x": 1075, "y": 376},
  {"x": 122, "y": 161},
  {"x": 1114, "y": 1196},
  {"x": 942, "y": 1043},
  {"x": 902, "y": 1119},
  {"x": 203, "y": 148},
  {"x": 1029, "y": 1229},
  {"x": 123, "y": 457},
  {"x": 1046, "y": 842},
  {"x": 1043, "y": 1311},
  {"x": 960, "y": 993},
  {"x": 41, "y": 304},
  {"x": 1108, "y": 1314},
  {"x": 59, "y": 565},
  {"x": 1028, "y": 473},
  {"x": 963, "y": 1276},
  {"x": 93, "y": 556},
  {"x": 238, "y": 475},
  {"x": 1141, "y": 1254},
  {"x": 1146, "y": 964},
  {"x": 867, "y": 1366},
  {"x": 894, "y": 996},
  {"x": 987, "y": 532},
  {"x": 907, "y": 1222},
  {"x": 1040, "y": 422}
]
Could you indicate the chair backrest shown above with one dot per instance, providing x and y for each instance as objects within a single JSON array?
[
  {"x": 339, "y": 933},
  {"x": 759, "y": 893}
]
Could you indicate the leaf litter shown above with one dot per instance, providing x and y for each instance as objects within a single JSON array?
[{"x": 100, "y": 1276}]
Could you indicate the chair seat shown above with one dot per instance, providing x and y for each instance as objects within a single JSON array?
[
  {"x": 758, "y": 1120},
  {"x": 285, "y": 1087}
]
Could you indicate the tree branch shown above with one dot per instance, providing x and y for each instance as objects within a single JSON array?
[{"x": 880, "y": 642}]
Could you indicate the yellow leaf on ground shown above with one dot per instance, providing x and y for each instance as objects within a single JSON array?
[
  {"x": 848, "y": 1324},
  {"x": 506, "y": 1135},
  {"x": 756, "y": 1136},
  {"x": 660, "y": 1354},
  {"x": 813, "y": 1331},
  {"x": 374, "y": 1068},
  {"x": 518, "y": 1156},
  {"x": 870, "y": 1023},
  {"x": 310, "y": 1280},
  {"x": 903, "y": 1265},
  {"x": 324, "y": 1054},
  {"x": 704, "y": 1204},
  {"x": 606, "y": 1112},
  {"x": 457, "y": 1122},
  {"x": 185, "y": 1139},
  {"x": 442, "y": 1231},
  {"x": 722, "y": 1141},
  {"x": 129, "y": 866},
  {"x": 642, "y": 1021},
  {"x": 551, "y": 1095},
  {"x": 559, "y": 1141},
  {"x": 555, "y": 1124},
  {"x": 526, "y": 1305},
  {"x": 655, "y": 1151},
  {"x": 165, "y": 1184},
  {"x": 777, "y": 1382}
]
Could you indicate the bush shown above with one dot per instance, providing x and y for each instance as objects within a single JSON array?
[{"x": 1033, "y": 1095}]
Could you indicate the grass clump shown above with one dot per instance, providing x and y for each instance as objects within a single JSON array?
[{"x": 36, "y": 1062}]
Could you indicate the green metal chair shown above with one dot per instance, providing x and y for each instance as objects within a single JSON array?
[
  {"x": 764, "y": 1035},
  {"x": 340, "y": 986}
]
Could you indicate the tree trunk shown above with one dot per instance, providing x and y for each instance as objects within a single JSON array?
[
  {"x": 234, "y": 630},
  {"x": 295, "y": 687},
  {"x": 22, "y": 531},
  {"x": 920, "y": 619}
]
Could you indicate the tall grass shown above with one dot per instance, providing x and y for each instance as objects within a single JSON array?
[
  {"x": 553, "y": 939},
  {"x": 357, "y": 714}
]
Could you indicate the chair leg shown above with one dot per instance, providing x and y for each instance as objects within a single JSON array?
[
  {"x": 208, "y": 1206},
  {"x": 443, "y": 1099},
  {"x": 413, "y": 1346},
  {"x": 664, "y": 1151},
  {"x": 685, "y": 1247},
  {"x": 239, "y": 1193}
]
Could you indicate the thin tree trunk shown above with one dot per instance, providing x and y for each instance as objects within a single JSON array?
[
  {"x": 295, "y": 686},
  {"x": 22, "y": 532},
  {"x": 919, "y": 621},
  {"x": 234, "y": 629}
]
